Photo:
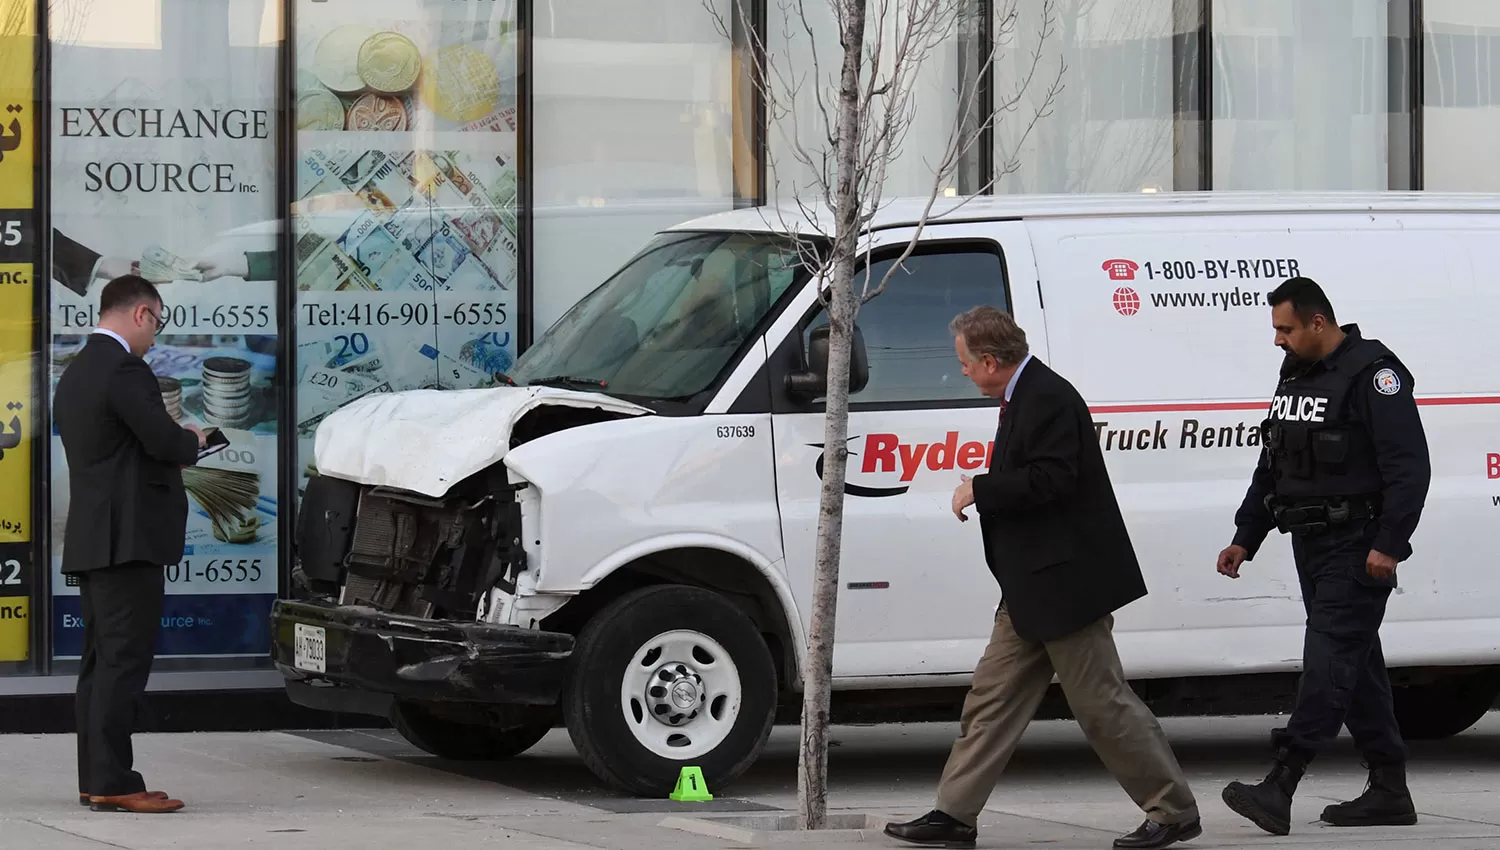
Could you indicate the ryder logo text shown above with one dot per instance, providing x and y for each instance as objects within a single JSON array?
[{"x": 886, "y": 454}]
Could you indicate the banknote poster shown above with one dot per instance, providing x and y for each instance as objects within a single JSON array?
[
  {"x": 405, "y": 211},
  {"x": 164, "y": 165},
  {"x": 18, "y": 259}
]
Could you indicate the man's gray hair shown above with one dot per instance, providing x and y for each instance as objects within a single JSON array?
[{"x": 990, "y": 330}]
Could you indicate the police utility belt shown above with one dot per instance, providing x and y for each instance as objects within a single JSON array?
[{"x": 1312, "y": 516}]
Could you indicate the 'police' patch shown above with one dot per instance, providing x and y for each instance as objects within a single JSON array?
[{"x": 1387, "y": 382}]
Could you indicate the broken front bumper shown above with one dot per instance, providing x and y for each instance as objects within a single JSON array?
[{"x": 356, "y": 659}]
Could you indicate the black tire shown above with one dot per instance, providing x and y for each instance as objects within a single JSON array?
[
  {"x": 1442, "y": 709},
  {"x": 592, "y": 706},
  {"x": 492, "y": 734}
]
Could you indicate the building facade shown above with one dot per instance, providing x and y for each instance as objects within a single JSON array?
[{"x": 345, "y": 197}]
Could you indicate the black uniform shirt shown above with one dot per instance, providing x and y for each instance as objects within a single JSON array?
[{"x": 1395, "y": 429}]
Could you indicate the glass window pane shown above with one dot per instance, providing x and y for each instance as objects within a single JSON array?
[
  {"x": 1461, "y": 112},
  {"x": 1106, "y": 66},
  {"x": 905, "y": 327},
  {"x": 405, "y": 209},
  {"x": 799, "y": 131},
  {"x": 164, "y": 164},
  {"x": 634, "y": 131},
  {"x": 1299, "y": 99}
]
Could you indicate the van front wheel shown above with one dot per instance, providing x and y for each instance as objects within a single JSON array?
[
  {"x": 469, "y": 733},
  {"x": 667, "y": 677}
]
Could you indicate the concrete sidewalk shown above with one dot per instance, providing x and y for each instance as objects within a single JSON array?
[{"x": 369, "y": 790}]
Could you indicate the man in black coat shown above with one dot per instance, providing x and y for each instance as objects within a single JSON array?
[
  {"x": 126, "y": 520},
  {"x": 1057, "y": 544}
]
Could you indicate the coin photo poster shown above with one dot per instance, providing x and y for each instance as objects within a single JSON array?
[
  {"x": 164, "y": 165},
  {"x": 405, "y": 212}
]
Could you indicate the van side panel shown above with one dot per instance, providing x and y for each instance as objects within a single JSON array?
[{"x": 1162, "y": 323}]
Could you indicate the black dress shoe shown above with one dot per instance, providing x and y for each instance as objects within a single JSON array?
[
  {"x": 1152, "y": 834},
  {"x": 933, "y": 829}
]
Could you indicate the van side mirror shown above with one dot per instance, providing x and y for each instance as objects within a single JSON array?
[{"x": 812, "y": 383}]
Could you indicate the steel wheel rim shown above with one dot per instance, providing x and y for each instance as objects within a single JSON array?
[{"x": 681, "y": 694}]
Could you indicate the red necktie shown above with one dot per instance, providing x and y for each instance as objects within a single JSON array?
[{"x": 1003, "y": 403}]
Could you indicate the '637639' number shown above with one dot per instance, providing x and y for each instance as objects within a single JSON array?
[{"x": 729, "y": 431}]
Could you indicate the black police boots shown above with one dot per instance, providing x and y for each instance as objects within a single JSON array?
[
  {"x": 1268, "y": 804},
  {"x": 1386, "y": 802}
]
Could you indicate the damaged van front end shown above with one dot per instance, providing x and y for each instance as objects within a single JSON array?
[{"x": 411, "y": 557}]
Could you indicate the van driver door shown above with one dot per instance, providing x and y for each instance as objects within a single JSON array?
[{"x": 915, "y": 593}]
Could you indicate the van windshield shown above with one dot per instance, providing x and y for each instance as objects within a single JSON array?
[{"x": 666, "y": 324}]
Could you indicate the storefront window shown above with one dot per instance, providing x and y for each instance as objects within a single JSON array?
[
  {"x": 1300, "y": 95},
  {"x": 1461, "y": 103},
  {"x": 454, "y": 177},
  {"x": 803, "y": 42},
  {"x": 163, "y": 163},
  {"x": 1095, "y": 113},
  {"x": 405, "y": 210},
  {"x": 19, "y": 366},
  {"x": 635, "y": 130}
]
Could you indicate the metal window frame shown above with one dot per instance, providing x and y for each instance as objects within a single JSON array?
[
  {"x": 41, "y": 304},
  {"x": 975, "y": 172},
  {"x": 1413, "y": 117},
  {"x": 748, "y": 111},
  {"x": 1192, "y": 98},
  {"x": 286, "y": 301},
  {"x": 524, "y": 165}
]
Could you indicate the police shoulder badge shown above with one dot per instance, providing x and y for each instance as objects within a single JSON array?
[{"x": 1387, "y": 382}]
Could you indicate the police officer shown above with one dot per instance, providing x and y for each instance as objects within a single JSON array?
[{"x": 1344, "y": 470}]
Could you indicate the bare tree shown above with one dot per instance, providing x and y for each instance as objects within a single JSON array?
[{"x": 861, "y": 115}]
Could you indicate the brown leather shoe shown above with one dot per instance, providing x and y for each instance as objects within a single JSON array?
[
  {"x": 83, "y": 799},
  {"x": 142, "y": 804}
]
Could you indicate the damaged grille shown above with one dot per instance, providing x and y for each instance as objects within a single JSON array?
[
  {"x": 385, "y": 595},
  {"x": 431, "y": 558}
]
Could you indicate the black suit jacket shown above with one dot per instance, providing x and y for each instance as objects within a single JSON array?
[
  {"x": 125, "y": 457},
  {"x": 1053, "y": 533}
]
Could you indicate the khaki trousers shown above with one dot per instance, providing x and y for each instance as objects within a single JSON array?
[{"x": 1009, "y": 684}]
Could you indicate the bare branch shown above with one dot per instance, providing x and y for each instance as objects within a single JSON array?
[{"x": 960, "y": 143}]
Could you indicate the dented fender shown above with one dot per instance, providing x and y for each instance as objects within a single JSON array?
[{"x": 426, "y": 441}]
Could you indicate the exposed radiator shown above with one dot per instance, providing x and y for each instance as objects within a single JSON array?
[{"x": 386, "y": 538}]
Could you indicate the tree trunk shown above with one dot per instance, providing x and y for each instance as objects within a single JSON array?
[{"x": 812, "y": 774}]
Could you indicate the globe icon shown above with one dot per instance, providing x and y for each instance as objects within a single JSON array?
[{"x": 1127, "y": 302}]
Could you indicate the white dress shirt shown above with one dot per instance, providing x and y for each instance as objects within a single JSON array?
[{"x": 121, "y": 339}]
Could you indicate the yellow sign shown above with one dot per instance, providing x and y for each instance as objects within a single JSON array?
[
  {"x": 15, "y": 628},
  {"x": 18, "y": 253},
  {"x": 17, "y": 104},
  {"x": 15, "y": 402}
]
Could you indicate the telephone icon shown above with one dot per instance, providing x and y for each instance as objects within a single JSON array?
[{"x": 1121, "y": 269}]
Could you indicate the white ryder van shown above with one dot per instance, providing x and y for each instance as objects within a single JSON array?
[{"x": 623, "y": 539}]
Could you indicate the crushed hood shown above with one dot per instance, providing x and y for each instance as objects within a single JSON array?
[{"x": 428, "y": 440}]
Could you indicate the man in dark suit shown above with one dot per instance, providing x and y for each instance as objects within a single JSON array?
[
  {"x": 126, "y": 520},
  {"x": 1057, "y": 544}
]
